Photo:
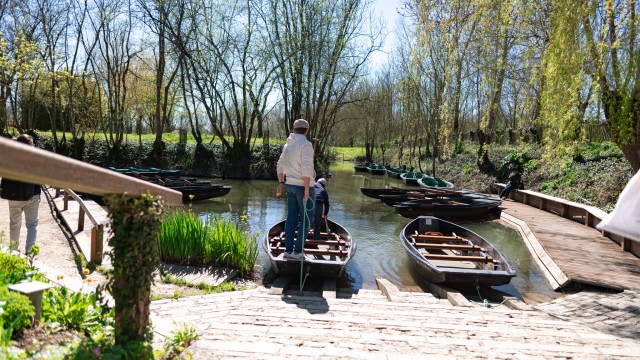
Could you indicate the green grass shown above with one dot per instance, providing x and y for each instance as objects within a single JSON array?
[
  {"x": 348, "y": 153},
  {"x": 169, "y": 137}
]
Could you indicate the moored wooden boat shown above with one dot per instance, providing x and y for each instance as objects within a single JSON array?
[
  {"x": 150, "y": 172},
  {"x": 202, "y": 192},
  {"x": 375, "y": 169},
  {"x": 434, "y": 183},
  {"x": 326, "y": 257},
  {"x": 393, "y": 199},
  {"x": 363, "y": 167},
  {"x": 377, "y": 192},
  {"x": 459, "y": 208},
  {"x": 411, "y": 178},
  {"x": 395, "y": 172},
  {"x": 444, "y": 252}
]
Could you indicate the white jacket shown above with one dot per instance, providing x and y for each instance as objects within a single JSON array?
[{"x": 296, "y": 160}]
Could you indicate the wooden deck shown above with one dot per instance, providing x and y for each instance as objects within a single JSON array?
[{"x": 569, "y": 251}]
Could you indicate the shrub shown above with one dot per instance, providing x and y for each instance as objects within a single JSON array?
[
  {"x": 16, "y": 307},
  {"x": 13, "y": 269},
  {"x": 76, "y": 311}
]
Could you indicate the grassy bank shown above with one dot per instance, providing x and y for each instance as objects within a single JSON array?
[{"x": 595, "y": 175}]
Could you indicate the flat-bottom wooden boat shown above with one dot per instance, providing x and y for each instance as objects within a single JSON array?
[
  {"x": 429, "y": 182},
  {"x": 201, "y": 192},
  {"x": 418, "y": 195},
  {"x": 459, "y": 208},
  {"x": 376, "y": 193},
  {"x": 411, "y": 178},
  {"x": 444, "y": 252},
  {"x": 326, "y": 257}
]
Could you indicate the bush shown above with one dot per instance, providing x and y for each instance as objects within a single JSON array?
[
  {"x": 13, "y": 269},
  {"x": 76, "y": 311},
  {"x": 16, "y": 307}
]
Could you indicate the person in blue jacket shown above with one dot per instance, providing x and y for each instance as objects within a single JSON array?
[{"x": 322, "y": 207}]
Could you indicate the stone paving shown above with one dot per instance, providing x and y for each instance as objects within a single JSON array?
[
  {"x": 365, "y": 325},
  {"x": 612, "y": 313}
]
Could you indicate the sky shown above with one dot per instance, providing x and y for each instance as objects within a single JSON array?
[{"x": 388, "y": 9}]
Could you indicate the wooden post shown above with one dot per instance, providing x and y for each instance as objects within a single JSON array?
[
  {"x": 97, "y": 234},
  {"x": 80, "y": 218}
]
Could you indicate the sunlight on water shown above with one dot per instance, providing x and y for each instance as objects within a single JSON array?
[{"x": 374, "y": 225}]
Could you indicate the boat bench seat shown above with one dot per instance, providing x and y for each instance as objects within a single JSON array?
[
  {"x": 485, "y": 259},
  {"x": 438, "y": 238},
  {"x": 340, "y": 253},
  {"x": 448, "y": 246},
  {"x": 314, "y": 242}
]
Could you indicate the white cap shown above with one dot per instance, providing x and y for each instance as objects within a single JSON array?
[
  {"x": 322, "y": 182},
  {"x": 300, "y": 123}
]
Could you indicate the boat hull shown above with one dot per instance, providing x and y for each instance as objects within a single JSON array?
[
  {"x": 202, "y": 192},
  {"x": 448, "y": 272},
  {"x": 326, "y": 258}
]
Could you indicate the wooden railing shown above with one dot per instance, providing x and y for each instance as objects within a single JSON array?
[
  {"x": 97, "y": 228},
  {"x": 584, "y": 214},
  {"x": 30, "y": 164}
]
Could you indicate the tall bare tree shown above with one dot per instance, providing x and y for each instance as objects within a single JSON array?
[{"x": 321, "y": 48}]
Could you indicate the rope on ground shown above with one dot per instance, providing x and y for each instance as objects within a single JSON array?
[{"x": 485, "y": 302}]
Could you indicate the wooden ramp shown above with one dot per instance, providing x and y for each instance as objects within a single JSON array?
[{"x": 568, "y": 251}]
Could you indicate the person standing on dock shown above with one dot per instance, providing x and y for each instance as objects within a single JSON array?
[
  {"x": 295, "y": 177},
  {"x": 322, "y": 207},
  {"x": 23, "y": 198}
]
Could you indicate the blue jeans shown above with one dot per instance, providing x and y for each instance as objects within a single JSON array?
[
  {"x": 507, "y": 189},
  {"x": 296, "y": 214}
]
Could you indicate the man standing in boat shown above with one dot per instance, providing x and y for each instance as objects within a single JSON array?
[{"x": 295, "y": 177}]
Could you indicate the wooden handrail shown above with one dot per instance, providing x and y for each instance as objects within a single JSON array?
[
  {"x": 83, "y": 208},
  {"x": 588, "y": 215},
  {"x": 97, "y": 229},
  {"x": 30, "y": 164}
]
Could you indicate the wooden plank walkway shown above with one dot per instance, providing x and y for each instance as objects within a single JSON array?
[{"x": 569, "y": 251}]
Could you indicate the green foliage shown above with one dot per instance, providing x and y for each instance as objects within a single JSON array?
[
  {"x": 13, "y": 269},
  {"x": 457, "y": 146},
  {"x": 76, "y": 311},
  {"x": 184, "y": 238},
  {"x": 207, "y": 288},
  {"x": 134, "y": 256},
  {"x": 521, "y": 160},
  {"x": 595, "y": 151},
  {"x": 17, "y": 309},
  {"x": 179, "y": 339},
  {"x": 101, "y": 347}
]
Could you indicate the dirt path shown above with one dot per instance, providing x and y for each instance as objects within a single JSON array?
[{"x": 57, "y": 248}]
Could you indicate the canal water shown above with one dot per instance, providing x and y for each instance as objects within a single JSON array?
[{"x": 375, "y": 227}]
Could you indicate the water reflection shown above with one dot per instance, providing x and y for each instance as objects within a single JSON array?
[{"x": 373, "y": 225}]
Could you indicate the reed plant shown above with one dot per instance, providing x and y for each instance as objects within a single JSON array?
[{"x": 185, "y": 238}]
